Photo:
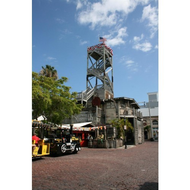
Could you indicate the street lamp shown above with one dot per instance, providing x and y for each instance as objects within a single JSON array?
[{"x": 125, "y": 129}]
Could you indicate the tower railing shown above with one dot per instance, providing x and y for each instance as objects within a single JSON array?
[{"x": 86, "y": 94}]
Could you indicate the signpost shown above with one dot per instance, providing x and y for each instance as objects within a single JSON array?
[{"x": 125, "y": 128}]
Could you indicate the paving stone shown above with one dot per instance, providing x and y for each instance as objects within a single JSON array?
[{"x": 135, "y": 168}]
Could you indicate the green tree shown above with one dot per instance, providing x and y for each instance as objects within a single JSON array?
[
  {"x": 40, "y": 95},
  {"x": 147, "y": 128},
  {"x": 119, "y": 124},
  {"x": 49, "y": 71},
  {"x": 52, "y": 99}
]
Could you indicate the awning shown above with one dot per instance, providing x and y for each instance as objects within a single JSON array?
[
  {"x": 40, "y": 118},
  {"x": 85, "y": 126},
  {"x": 79, "y": 125}
]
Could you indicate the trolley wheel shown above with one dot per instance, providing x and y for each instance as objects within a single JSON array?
[
  {"x": 76, "y": 150},
  {"x": 63, "y": 148}
]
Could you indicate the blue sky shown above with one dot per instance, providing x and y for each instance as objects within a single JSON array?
[{"x": 63, "y": 29}]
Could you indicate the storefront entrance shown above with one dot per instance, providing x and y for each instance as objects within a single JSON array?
[{"x": 82, "y": 135}]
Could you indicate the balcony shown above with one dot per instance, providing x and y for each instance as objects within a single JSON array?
[{"x": 130, "y": 112}]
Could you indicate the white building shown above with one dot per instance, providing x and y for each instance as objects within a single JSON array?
[{"x": 150, "y": 116}]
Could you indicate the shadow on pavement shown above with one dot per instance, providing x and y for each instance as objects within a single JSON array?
[
  {"x": 149, "y": 186},
  {"x": 37, "y": 158}
]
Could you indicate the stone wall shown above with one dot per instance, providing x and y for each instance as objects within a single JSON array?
[{"x": 110, "y": 111}]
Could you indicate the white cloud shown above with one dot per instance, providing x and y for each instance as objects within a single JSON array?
[
  {"x": 151, "y": 14},
  {"x": 146, "y": 46},
  {"x": 138, "y": 45},
  {"x": 106, "y": 12},
  {"x": 51, "y": 58},
  {"x": 115, "y": 41},
  {"x": 130, "y": 62},
  {"x": 60, "y": 20},
  {"x": 79, "y": 4},
  {"x": 137, "y": 39},
  {"x": 64, "y": 33},
  {"x": 83, "y": 42},
  {"x": 131, "y": 65},
  {"x": 118, "y": 39}
]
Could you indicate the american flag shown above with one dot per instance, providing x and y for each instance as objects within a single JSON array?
[{"x": 101, "y": 39}]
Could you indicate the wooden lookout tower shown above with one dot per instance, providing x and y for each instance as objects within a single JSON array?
[{"x": 99, "y": 78}]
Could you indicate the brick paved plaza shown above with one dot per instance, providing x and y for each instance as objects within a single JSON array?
[{"x": 99, "y": 169}]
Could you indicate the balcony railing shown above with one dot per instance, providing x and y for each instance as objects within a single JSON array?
[{"x": 130, "y": 112}]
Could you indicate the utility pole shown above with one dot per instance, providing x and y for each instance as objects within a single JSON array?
[
  {"x": 125, "y": 129},
  {"x": 150, "y": 120}
]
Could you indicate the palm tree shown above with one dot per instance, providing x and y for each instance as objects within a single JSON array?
[
  {"x": 119, "y": 124},
  {"x": 49, "y": 71}
]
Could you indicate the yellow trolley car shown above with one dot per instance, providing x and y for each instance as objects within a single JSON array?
[{"x": 43, "y": 146}]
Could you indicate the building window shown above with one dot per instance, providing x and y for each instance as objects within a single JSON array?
[{"x": 155, "y": 122}]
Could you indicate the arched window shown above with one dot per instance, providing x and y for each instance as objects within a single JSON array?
[{"x": 155, "y": 122}]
